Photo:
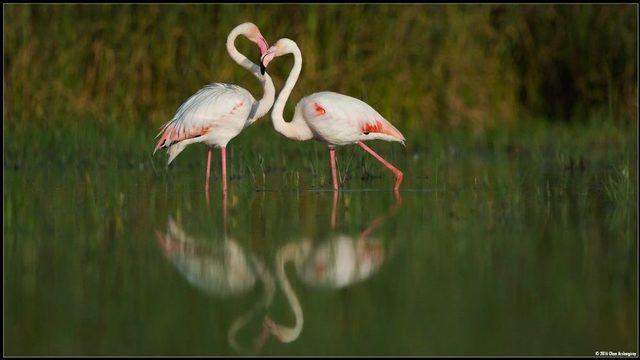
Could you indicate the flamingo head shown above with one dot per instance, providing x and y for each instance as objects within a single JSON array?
[
  {"x": 251, "y": 31},
  {"x": 284, "y": 334},
  {"x": 281, "y": 47}
]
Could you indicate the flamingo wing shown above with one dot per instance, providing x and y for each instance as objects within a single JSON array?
[
  {"x": 342, "y": 119},
  {"x": 211, "y": 106}
]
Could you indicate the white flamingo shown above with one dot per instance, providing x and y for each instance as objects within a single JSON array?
[
  {"x": 336, "y": 263},
  {"x": 329, "y": 117},
  {"x": 218, "y": 112}
]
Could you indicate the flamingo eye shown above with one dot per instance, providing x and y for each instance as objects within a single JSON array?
[{"x": 366, "y": 133}]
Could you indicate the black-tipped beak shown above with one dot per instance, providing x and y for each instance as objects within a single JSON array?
[{"x": 263, "y": 68}]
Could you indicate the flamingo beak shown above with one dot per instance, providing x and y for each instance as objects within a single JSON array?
[
  {"x": 263, "y": 45},
  {"x": 266, "y": 59}
]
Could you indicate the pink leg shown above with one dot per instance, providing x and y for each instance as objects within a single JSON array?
[
  {"x": 398, "y": 203},
  {"x": 334, "y": 208},
  {"x": 224, "y": 211},
  {"x": 334, "y": 171},
  {"x": 223, "y": 157},
  {"x": 207, "y": 174},
  {"x": 223, "y": 161},
  {"x": 398, "y": 173}
]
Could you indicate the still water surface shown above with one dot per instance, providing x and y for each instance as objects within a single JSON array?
[{"x": 487, "y": 262}]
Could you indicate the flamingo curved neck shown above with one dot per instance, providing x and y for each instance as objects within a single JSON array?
[
  {"x": 296, "y": 129},
  {"x": 289, "y": 334},
  {"x": 240, "y": 322},
  {"x": 263, "y": 105}
]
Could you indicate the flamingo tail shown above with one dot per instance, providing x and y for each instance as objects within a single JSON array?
[
  {"x": 176, "y": 139},
  {"x": 175, "y": 149}
]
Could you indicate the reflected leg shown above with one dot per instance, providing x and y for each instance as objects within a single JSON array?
[
  {"x": 379, "y": 220},
  {"x": 207, "y": 174},
  {"x": 224, "y": 211},
  {"x": 223, "y": 158},
  {"x": 398, "y": 202},
  {"x": 334, "y": 211}
]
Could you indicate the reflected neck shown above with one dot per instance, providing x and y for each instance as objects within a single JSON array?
[{"x": 284, "y": 333}]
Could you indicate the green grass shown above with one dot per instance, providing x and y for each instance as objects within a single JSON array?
[
  {"x": 260, "y": 152},
  {"x": 482, "y": 66}
]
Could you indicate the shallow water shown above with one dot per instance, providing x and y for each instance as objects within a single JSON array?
[{"x": 496, "y": 257}]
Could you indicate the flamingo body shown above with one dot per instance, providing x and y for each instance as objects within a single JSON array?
[
  {"x": 218, "y": 112},
  {"x": 339, "y": 119},
  {"x": 341, "y": 262},
  {"x": 214, "y": 115}
]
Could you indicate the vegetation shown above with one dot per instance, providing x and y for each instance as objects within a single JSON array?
[{"x": 419, "y": 65}]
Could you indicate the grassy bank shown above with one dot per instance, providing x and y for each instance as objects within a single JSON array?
[{"x": 603, "y": 145}]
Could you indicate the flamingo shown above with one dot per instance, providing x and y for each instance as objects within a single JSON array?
[
  {"x": 218, "y": 112},
  {"x": 329, "y": 117},
  {"x": 222, "y": 269},
  {"x": 338, "y": 262}
]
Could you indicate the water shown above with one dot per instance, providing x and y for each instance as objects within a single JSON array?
[{"x": 487, "y": 256}]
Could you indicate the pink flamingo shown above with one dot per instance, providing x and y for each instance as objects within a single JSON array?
[
  {"x": 218, "y": 112},
  {"x": 329, "y": 117}
]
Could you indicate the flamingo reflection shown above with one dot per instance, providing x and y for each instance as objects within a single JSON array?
[
  {"x": 221, "y": 270},
  {"x": 224, "y": 269},
  {"x": 338, "y": 262}
]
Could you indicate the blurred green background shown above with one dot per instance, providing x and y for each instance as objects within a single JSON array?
[{"x": 418, "y": 65}]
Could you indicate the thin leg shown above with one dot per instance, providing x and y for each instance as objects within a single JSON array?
[
  {"x": 334, "y": 171},
  {"x": 207, "y": 174},
  {"x": 223, "y": 157},
  {"x": 398, "y": 203},
  {"x": 334, "y": 208},
  {"x": 398, "y": 173},
  {"x": 378, "y": 221},
  {"x": 224, "y": 211},
  {"x": 223, "y": 162}
]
